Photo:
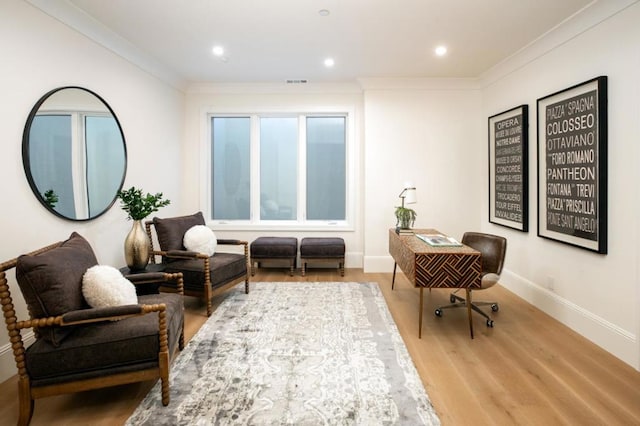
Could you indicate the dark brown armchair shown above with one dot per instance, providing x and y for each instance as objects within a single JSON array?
[
  {"x": 204, "y": 275},
  {"x": 493, "y": 249},
  {"x": 76, "y": 347}
]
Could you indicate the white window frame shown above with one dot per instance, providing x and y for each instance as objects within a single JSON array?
[
  {"x": 78, "y": 154},
  {"x": 254, "y": 223}
]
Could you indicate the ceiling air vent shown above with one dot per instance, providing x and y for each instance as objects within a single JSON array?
[{"x": 297, "y": 81}]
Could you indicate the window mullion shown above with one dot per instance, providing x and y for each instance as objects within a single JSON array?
[
  {"x": 79, "y": 164},
  {"x": 302, "y": 168}
]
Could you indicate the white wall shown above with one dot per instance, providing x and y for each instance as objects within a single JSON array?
[
  {"x": 597, "y": 295},
  {"x": 415, "y": 130},
  {"x": 251, "y": 98},
  {"x": 429, "y": 133},
  {"x": 40, "y": 54}
]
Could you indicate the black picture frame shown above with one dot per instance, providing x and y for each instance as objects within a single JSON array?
[
  {"x": 509, "y": 168},
  {"x": 572, "y": 165}
]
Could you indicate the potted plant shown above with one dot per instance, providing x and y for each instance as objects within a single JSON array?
[
  {"x": 138, "y": 206},
  {"x": 406, "y": 217},
  {"x": 50, "y": 198}
]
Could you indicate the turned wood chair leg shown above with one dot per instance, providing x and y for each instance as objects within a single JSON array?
[
  {"x": 164, "y": 379},
  {"x": 163, "y": 359},
  {"x": 209, "y": 307},
  {"x": 207, "y": 287},
  {"x": 25, "y": 401}
]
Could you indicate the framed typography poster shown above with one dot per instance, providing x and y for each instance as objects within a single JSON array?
[
  {"x": 572, "y": 165},
  {"x": 508, "y": 168}
]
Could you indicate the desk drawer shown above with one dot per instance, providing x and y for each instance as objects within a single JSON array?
[{"x": 448, "y": 270}]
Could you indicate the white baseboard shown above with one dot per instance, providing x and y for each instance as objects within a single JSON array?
[
  {"x": 620, "y": 342},
  {"x": 353, "y": 260},
  {"x": 7, "y": 361},
  {"x": 374, "y": 264}
]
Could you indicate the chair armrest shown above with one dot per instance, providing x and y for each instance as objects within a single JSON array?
[
  {"x": 157, "y": 278},
  {"x": 183, "y": 254},
  {"x": 146, "y": 277},
  {"x": 231, "y": 242},
  {"x": 489, "y": 280},
  {"x": 237, "y": 243},
  {"x": 92, "y": 315},
  {"x": 83, "y": 316}
]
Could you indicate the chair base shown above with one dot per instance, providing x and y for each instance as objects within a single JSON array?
[{"x": 460, "y": 302}]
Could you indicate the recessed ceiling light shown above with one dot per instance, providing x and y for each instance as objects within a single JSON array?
[
  {"x": 324, "y": 12},
  {"x": 218, "y": 50},
  {"x": 329, "y": 62},
  {"x": 441, "y": 50}
]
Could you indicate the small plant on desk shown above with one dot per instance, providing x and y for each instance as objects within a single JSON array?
[{"x": 405, "y": 217}]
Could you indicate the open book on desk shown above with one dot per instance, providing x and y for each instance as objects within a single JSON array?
[{"x": 439, "y": 240}]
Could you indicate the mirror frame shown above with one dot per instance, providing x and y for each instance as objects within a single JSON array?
[{"x": 26, "y": 163}]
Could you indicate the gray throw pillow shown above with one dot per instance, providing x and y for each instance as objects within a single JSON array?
[
  {"x": 51, "y": 282},
  {"x": 171, "y": 231}
]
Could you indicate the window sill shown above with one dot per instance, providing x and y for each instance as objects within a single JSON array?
[{"x": 340, "y": 226}]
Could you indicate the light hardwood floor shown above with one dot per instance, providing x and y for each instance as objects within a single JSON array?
[{"x": 527, "y": 370}]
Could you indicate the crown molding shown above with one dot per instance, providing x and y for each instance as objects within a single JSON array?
[
  {"x": 279, "y": 88},
  {"x": 419, "y": 83},
  {"x": 79, "y": 21},
  {"x": 588, "y": 17}
]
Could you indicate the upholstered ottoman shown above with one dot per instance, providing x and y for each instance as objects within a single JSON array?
[
  {"x": 274, "y": 248},
  {"x": 322, "y": 250}
]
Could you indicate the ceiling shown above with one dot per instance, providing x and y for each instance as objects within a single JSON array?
[{"x": 276, "y": 40}]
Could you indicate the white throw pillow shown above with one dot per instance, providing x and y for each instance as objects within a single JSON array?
[
  {"x": 104, "y": 286},
  {"x": 201, "y": 239}
]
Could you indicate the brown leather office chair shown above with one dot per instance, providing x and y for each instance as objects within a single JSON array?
[
  {"x": 204, "y": 275},
  {"x": 493, "y": 249},
  {"x": 77, "y": 347}
]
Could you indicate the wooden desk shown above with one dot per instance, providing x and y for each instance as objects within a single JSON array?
[{"x": 435, "y": 267}]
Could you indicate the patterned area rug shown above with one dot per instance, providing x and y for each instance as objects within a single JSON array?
[{"x": 294, "y": 354}]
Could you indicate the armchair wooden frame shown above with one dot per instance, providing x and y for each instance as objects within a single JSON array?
[
  {"x": 208, "y": 292},
  {"x": 27, "y": 394}
]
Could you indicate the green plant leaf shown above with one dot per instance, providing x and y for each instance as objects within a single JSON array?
[
  {"x": 138, "y": 206},
  {"x": 406, "y": 217}
]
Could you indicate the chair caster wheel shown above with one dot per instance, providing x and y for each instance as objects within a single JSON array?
[
  {"x": 452, "y": 299},
  {"x": 490, "y": 323},
  {"x": 438, "y": 312},
  {"x": 495, "y": 307}
]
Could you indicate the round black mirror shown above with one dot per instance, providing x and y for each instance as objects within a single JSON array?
[{"x": 74, "y": 153}]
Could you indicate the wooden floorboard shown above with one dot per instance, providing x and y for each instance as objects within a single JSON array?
[{"x": 527, "y": 370}]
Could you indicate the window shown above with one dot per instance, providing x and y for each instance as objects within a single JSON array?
[
  {"x": 82, "y": 168},
  {"x": 326, "y": 168},
  {"x": 230, "y": 167},
  {"x": 288, "y": 169},
  {"x": 278, "y": 168}
]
